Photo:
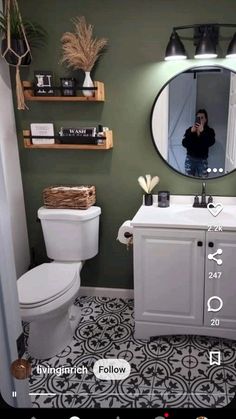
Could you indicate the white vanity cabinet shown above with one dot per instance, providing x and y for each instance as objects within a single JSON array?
[
  {"x": 169, "y": 275},
  {"x": 172, "y": 282}
]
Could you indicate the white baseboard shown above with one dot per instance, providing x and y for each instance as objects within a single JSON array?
[{"x": 106, "y": 292}]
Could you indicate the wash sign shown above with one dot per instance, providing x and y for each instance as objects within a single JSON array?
[{"x": 111, "y": 369}]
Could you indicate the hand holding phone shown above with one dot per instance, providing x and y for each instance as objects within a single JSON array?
[
  {"x": 197, "y": 125},
  {"x": 198, "y": 120}
]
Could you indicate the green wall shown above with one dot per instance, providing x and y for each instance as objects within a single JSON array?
[{"x": 138, "y": 32}]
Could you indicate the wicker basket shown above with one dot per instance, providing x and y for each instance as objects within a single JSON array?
[{"x": 74, "y": 197}]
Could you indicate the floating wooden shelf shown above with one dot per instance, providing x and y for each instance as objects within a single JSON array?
[
  {"x": 106, "y": 146},
  {"x": 99, "y": 95}
]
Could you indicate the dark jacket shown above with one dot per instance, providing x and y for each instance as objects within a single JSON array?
[{"x": 197, "y": 146}]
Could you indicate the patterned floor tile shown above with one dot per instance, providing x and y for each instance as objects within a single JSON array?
[
  {"x": 166, "y": 371},
  {"x": 117, "y": 350},
  {"x": 141, "y": 350},
  {"x": 132, "y": 397},
  {"x": 209, "y": 383},
  {"x": 229, "y": 353},
  {"x": 142, "y": 375},
  {"x": 230, "y": 381},
  {"x": 206, "y": 400},
  {"x": 95, "y": 394},
  {"x": 57, "y": 401},
  {"x": 174, "y": 395}
]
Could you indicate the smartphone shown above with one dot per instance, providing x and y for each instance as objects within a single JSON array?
[{"x": 198, "y": 120}]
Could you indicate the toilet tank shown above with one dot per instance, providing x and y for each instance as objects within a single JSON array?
[{"x": 70, "y": 235}]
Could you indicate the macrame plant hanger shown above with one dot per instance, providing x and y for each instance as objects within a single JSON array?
[{"x": 12, "y": 4}]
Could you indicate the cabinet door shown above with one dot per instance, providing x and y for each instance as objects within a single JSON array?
[
  {"x": 169, "y": 275},
  {"x": 221, "y": 285}
]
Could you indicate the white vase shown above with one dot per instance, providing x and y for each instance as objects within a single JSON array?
[{"x": 88, "y": 83}]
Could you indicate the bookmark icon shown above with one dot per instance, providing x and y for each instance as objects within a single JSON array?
[{"x": 215, "y": 357}]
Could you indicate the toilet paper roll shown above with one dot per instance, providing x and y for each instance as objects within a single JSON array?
[{"x": 125, "y": 228}]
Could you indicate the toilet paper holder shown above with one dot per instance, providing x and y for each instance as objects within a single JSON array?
[
  {"x": 128, "y": 235},
  {"x": 125, "y": 234}
]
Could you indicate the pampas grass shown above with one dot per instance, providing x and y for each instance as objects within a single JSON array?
[
  {"x": 149, "y": 183},
  {"x": 80, "y": 49}
]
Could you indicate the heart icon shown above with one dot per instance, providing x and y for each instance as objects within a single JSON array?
[{"x": 215, "y": 209}]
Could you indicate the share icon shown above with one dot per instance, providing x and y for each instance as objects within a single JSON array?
[{"x": 218, "y": 252}]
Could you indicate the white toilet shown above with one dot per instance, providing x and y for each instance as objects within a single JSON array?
[{"x": 47, "y": 292}]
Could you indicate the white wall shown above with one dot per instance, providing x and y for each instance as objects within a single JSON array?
[
  {"x": 12, "y": 174},
  {"x": 14, "y": 249},
  {"x": 10, "y": 321}
]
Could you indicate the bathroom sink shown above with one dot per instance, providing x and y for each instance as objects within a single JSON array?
[
  {"x": 227, "y": 214},
  {"x": 181, "y": 213}
]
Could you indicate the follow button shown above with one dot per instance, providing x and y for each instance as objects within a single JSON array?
[{"x": 111, "y": 369}]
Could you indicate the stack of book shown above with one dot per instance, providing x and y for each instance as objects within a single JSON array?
[{"x": 84, "y": 135}]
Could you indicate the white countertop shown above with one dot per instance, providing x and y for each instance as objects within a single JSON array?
[{"x": 181, "y": 214}]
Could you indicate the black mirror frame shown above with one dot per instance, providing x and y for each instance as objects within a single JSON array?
[{"x": 191, "y": 67}]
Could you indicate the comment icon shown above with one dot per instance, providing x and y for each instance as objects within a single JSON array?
[{"x": 210, "y": 301}]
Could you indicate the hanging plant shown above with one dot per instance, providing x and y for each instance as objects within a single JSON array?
[{"x": 18, "y": 37}]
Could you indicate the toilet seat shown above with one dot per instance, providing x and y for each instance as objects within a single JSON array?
[{"x": 46, "y": 283}]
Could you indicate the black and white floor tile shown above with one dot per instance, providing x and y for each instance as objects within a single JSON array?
[{"x": 171, "y": 371}]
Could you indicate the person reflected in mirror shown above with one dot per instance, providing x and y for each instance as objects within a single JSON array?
[{"x": 197, "y": 140}]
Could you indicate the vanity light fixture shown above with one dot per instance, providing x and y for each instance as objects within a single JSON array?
[
  {"x": 206, "y": 39},
  {"x": 206, "y": 47},
  {"x": 231, "y": 51},
  {"x": 175, "y": 49}
]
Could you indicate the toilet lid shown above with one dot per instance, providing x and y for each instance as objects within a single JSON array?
[{"x": 45, "y": 283}]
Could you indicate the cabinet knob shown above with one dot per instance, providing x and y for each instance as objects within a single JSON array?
[
  {"x": 199, "y": 243},
  {"x": 211, "y": 244}
]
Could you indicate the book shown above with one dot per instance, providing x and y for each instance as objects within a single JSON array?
[
  {"x": 78, "y": 132},
  {"x": 40, "y": 131}
]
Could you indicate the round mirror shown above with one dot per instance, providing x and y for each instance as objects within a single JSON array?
[{"x": 193, "y": 122}]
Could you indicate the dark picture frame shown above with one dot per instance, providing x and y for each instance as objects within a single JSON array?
[
  {"x": 68, "y": 86},
  {"x": 43, "y": 83}
]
